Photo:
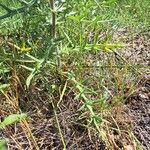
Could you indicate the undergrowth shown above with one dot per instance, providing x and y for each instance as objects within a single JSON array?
[{"x": 69, "y": 52}]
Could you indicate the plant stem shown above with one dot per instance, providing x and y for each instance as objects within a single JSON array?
[{"x": 53, "y": 29}]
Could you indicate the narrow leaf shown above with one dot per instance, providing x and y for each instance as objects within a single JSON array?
[{"x": 11, "y": 119}]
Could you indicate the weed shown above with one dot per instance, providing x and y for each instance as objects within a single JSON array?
[{"x": 62, "y": 55}]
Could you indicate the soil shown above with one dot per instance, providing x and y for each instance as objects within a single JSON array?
[
  {"x": 138, "y": 50},
  {"x": 138, "y": 104},
  {"x": 138, "y": 108}
]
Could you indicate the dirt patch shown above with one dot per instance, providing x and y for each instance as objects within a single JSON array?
[
  {"x": 138, "y": 104},
  {"x": 137, "y": 52},
  {"x": 138, "y": 107}
]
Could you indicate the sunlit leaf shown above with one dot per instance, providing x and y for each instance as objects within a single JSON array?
[{"x": 11, "y": 119}]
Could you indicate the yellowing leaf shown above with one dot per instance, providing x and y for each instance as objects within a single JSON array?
[
  {"x": 26, "y": 49},
  {"x": 22, "y": 49}
]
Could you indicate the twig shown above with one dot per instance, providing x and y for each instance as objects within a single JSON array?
[
  {"x": 58, "y": 125},
  {"x": 28, "y": 131},
  {"x": 62, "y": 94}
]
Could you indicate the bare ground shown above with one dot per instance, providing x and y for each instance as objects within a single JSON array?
[
  {"x": 138, "y": 104},
  {"x": 138, "y": 108}
]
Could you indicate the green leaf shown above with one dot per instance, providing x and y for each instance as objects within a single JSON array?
[
  {"x": 2, "y": 144},
  {"x": 28, "y": 68},
  {"x": 4, "y": 86},
  {"x": 76, "y": 18},
  {"x": 33, "y": 58},
  {"x": 28, "y": 81},
  {"x": 4, "y": 70},
  {"x": 97, "y": 119},
  {"x": 11, "y": 119},
  {"x": 34, "y": 72}
]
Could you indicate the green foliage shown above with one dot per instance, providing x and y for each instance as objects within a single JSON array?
[
  {"x": 13, "y": 11},
  {"x": 89, "y": 105},
  {"x": 3, "y": 86},
  {"x": 83, "y": 28},
  {"x": 79, "y": 26},
  {"x": 2, "y": 144}
]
